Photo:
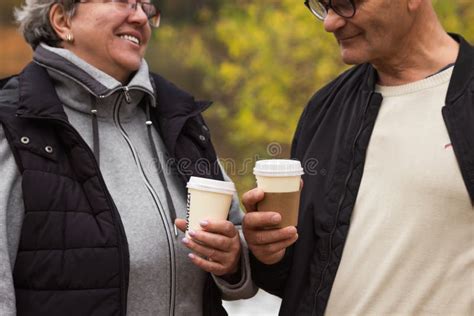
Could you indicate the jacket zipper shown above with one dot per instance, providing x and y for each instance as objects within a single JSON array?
[
  {"x": 349, "y": 176},
  {"x": 115, "y": 216},
  {"x": 109, "y": 93},
  {"x": 154, "y": 195}
]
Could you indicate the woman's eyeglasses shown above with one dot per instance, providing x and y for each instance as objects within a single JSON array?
[
  {"x": 151, "y": 11},
  {"x": 344, "y": 8}
]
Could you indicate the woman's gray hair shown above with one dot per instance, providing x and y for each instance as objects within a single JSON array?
[{"x": 33, "y": 18}]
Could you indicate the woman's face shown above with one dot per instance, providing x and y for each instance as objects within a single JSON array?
[{"x": 110, "y": 37}]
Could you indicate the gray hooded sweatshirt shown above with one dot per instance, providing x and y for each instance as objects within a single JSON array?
[{"x": 128, "y": 166}]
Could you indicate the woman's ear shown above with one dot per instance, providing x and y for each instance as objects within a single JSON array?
[
  {"x": 413, "y": 5},
  {"x": 61, "y": 23}
]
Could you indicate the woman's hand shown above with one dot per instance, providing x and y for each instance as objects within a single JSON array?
[{"x": 216, "y": 248}]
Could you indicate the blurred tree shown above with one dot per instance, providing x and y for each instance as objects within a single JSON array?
[
  {"x": 6, "y": 12},
  {"x": 188, "y": 11},
  {"x": 14, "y": 52},
  {"x": 261, "y": 61}
]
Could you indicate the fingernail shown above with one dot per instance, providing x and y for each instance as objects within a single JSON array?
[
  {"x": 275, "y": 219},
  {"x": 185, "y": 240},
  {"x": 204, "y": 223},
  {"x": 191, "y": 256},
  {"x": 192, "y": 233}
]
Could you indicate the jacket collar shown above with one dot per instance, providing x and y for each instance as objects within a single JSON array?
[
  {"x": 371, "y": 78},
  {"x": 38, "y": 98},
  {"x": 463, "y": 70},
  {"x": 97, "y": 82},
  {"x": 82, "y": 87},
  {"x": 174, "y": 108},
  {"x": 174, "y": 102}
]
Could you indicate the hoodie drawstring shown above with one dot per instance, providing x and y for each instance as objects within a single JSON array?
[
  {"x": 95, "y": 133},
  {"x": 149, "y": 123},
  {"x": 161, "y": 171}
]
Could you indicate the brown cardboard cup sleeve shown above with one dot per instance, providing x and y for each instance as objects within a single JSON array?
[{"x": 285, "y": 203}]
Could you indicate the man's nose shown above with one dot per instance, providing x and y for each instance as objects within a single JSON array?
[{"x": 333, "y": 21}]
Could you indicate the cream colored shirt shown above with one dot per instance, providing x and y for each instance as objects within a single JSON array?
[{"x": 410, "y": 248}]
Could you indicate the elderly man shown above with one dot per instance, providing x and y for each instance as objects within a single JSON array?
[{"x": 389, "y": 228}]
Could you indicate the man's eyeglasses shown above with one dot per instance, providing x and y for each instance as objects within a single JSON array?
[
  {"x": 151, "y": 11},
  {"x": 344, "y": 8}
]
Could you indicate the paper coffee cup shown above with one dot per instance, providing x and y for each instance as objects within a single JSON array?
[
  {"x": 207, "y": 199},
  {"x": 280, "y": 179}
]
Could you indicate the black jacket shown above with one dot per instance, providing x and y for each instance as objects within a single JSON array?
[
  {"x": 73, "y": 255},
  {"x": 331, "y": 140}
]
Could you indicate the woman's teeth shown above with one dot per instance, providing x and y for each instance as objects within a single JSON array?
[{"x": 130, "y": 38}]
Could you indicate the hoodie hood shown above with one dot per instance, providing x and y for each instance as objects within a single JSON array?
[{"x": 84, "y": 88}]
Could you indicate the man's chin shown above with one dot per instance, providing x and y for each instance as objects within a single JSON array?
[{"x": 349, "y": 58}]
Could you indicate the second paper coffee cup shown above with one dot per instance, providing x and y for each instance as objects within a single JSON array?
[
  {"x": 207, "y": 199},
  {"x": 280, "y": 179}
]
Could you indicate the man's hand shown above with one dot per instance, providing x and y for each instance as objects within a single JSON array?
[
  {"x": 267, "y": 243},
  {"x": 216, "y": 248}
]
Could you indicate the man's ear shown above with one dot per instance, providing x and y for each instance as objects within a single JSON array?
[{"x": 60, "y": 22}]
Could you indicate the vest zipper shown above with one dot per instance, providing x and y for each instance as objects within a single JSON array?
[
  {"x": 348, "y": 177},
  {"x": 154, "y": 195}
]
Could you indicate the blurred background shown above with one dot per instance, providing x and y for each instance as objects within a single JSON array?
[{"x": 259, "y": 61}]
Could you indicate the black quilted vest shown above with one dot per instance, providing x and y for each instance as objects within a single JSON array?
[{"x": 73, "y": 255}]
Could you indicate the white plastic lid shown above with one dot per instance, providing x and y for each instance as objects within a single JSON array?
[
  {"x": 210, "y": 185},
  {"x": 278, "y": 168}
]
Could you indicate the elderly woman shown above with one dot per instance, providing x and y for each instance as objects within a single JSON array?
[{"x": 95, "y": 152}]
